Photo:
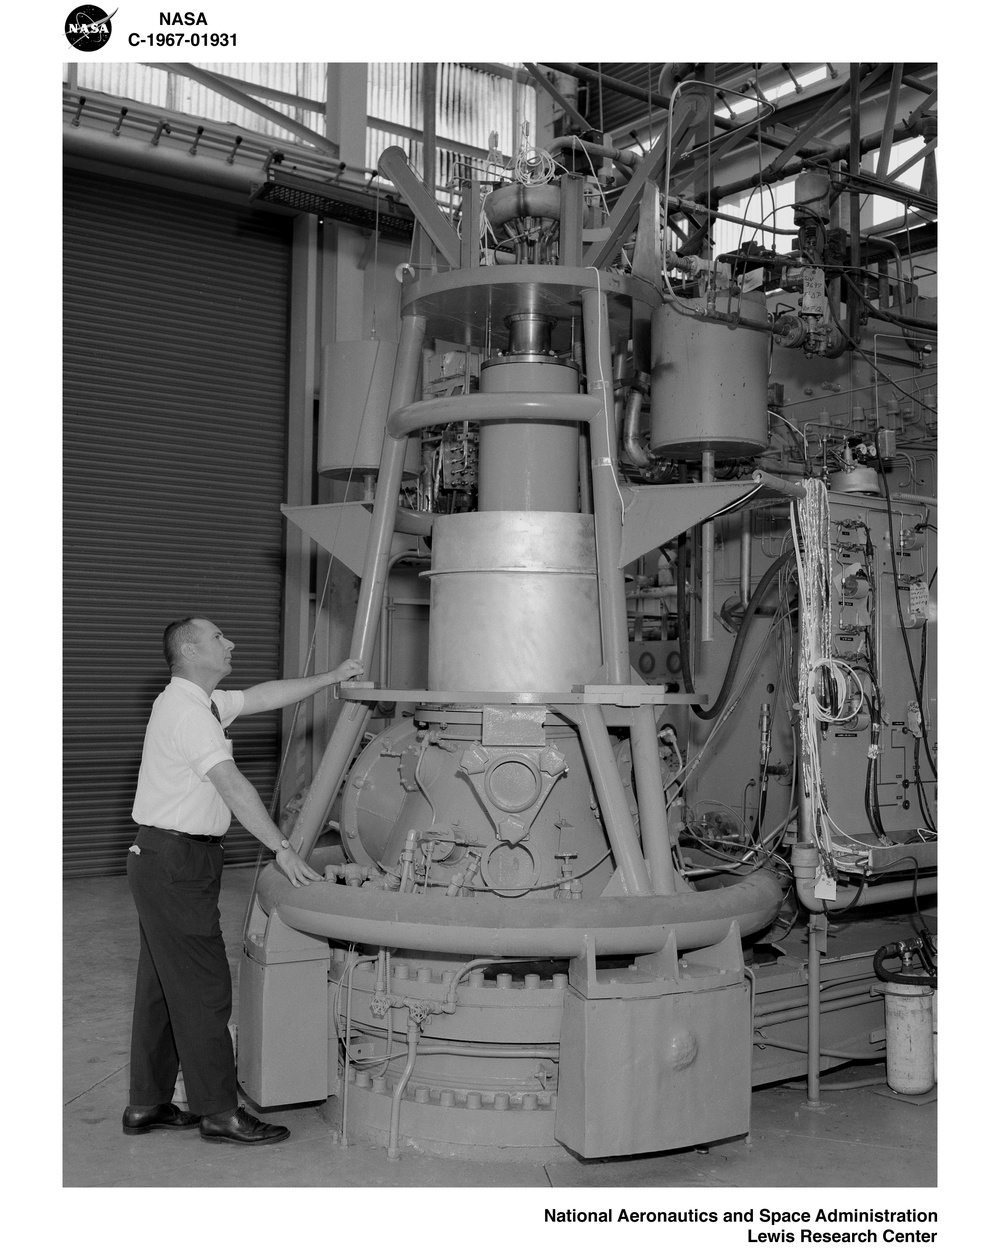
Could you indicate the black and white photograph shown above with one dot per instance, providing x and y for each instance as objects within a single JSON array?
[{"x": 499, "y": 627}]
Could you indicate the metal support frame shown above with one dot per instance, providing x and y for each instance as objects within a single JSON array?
[
  {"x": 354, "y": 716},
  {"x": 549, "y": 88},
  {"x": 215, "y": 83},
  {"x": 394, "y": 165}
]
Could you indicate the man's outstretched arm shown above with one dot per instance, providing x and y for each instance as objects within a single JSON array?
[
  {"x": 244, "y": 802},
  {"x": 271, "y": 694}
]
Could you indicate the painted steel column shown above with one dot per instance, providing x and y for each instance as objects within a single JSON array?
[
  {"x": 652, "y": 805},
  {"x": 611, "y": 797},
  {"x": 301, "y": 459},
  {"x": 354, "y": 717},
  {"x": 817, "y": 940},
  {"x": 607, "y": 500}
]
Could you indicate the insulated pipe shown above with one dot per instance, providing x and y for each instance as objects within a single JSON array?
[
  {"x": 652, "y": 807},
  {"x": 539, "y": 928},
  {"x": 611, "y": 797},
  {"x": 354, "y": 716}
]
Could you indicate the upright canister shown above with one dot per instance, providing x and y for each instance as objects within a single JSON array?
[
  {"x": 709, "y": 379},
  {"x": 513, "y": 602},
  {"x": 909, "y": 1037}
]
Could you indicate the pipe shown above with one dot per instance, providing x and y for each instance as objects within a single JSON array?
[
  {"x": 537, "y": 928},
  {"x": 518, "y": 200},
  {"x": 611, "y": 797},
  {"x": 362, "y": 959},
  {"x": 708, "y": 557},
  {"x": 354, "y": 716},
  {"x": 661, "y": 101},
  {"x": 805, "y": 860},
  {"x": 745, "y": 536},
  {"x": 636, "y": 452},
  {"x": 849, "y": 998},
  {"x": 410, "y": 522},
  {"x": 621, "y": 156},
  {"x": 412, "y": 1032},
  {"x": 608, "y": 503},
  {"x": 854, "y": 201},
  {"x": 825, "y": 1054},
  {"x": 817, "y": 937},
  {"x": 649, "y": 794},
  {"x": 497, "y": 406}
]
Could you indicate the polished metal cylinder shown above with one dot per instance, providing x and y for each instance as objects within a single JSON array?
[
  {"x": 709, "y": 382},
  {"x": 528, "y": 466},
  {"x": 513, "y": 602}
]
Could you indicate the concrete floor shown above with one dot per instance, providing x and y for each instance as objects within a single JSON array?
[{"x": 860, "y": 1139}]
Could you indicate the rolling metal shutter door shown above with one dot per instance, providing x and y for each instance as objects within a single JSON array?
[{"x": 175, "y": 374}]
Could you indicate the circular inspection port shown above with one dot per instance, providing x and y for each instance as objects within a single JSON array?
[
  {"x": 509, "y": 868},
  {"x": 513, "y": 783}
]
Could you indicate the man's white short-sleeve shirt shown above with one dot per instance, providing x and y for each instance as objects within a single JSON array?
[{"x": 183, "y": 742}]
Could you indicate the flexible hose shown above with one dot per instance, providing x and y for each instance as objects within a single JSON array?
[
  {"x": 898, "y": 978},
  {"x": 744, "y": 631}
]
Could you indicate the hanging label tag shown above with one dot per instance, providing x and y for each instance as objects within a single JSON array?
[
  {"x": 813, "y": 292},
  {"x": 826, "y": 887}
]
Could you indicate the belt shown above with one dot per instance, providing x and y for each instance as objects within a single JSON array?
[{"x": 188, "y": 837}]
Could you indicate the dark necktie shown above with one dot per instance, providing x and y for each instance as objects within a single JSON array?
[{"x": 215, "y": 710}]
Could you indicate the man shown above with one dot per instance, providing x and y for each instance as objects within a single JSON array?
[{"x": 189, "y": 788}]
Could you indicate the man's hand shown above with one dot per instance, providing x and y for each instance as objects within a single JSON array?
[
  {"x": 347, "y": 670},
  {"x": 295, "y": 869}
]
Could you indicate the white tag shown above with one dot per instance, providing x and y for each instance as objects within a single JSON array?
[{"x": 826, "y": 887}]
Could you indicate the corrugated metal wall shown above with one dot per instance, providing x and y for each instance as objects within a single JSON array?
[
  {"x": 175, "y": 376},
  {"x": 471, "y": 102}
]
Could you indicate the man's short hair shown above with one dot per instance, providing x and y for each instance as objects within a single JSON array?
[{"x": 175, "y": 636}]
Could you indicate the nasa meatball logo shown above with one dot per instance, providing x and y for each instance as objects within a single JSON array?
[{"x": 88, "y": 28}]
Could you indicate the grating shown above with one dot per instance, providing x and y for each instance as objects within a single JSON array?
[{"x": 339, "y": 203}]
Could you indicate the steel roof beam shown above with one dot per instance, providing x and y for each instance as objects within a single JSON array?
[{"x": 217, "y": 84}]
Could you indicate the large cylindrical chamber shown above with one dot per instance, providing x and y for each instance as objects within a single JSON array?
[
  {"x": 709, "y": 383},
  {"x": 353, "y": 406},
  {"x": 523, "y": 465},
  {"x": 513, "y": 602}
]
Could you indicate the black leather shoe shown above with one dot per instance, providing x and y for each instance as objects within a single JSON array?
[
  {"x": 166, "y": 1115},
  {"x": 242, "y": 1129}
]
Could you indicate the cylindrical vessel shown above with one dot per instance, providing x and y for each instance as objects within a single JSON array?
[
  {"x": 513, "y": 602},
  {"x": 709, "y": 382},
  {"x": 353, "y": 407},
  {"x": 909, "y": 1038},
  {"x": 524, "y": 465}
]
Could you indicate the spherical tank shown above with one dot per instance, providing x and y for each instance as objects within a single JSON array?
[
  {"x": 513, "y": 602},
  {"x": 709, "y": 383}
]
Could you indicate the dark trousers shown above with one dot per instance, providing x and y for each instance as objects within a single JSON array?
[{"x": 183, "y": 988}]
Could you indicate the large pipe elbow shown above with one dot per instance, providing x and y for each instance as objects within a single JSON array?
[
  {"x": 535, "y": 928},
  {"x": 517, "y": 200}
]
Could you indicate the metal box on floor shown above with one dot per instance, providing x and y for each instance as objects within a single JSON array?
[
  {"x": 655, "y": 1056},
  {"x": 282, "y": 1052}
]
